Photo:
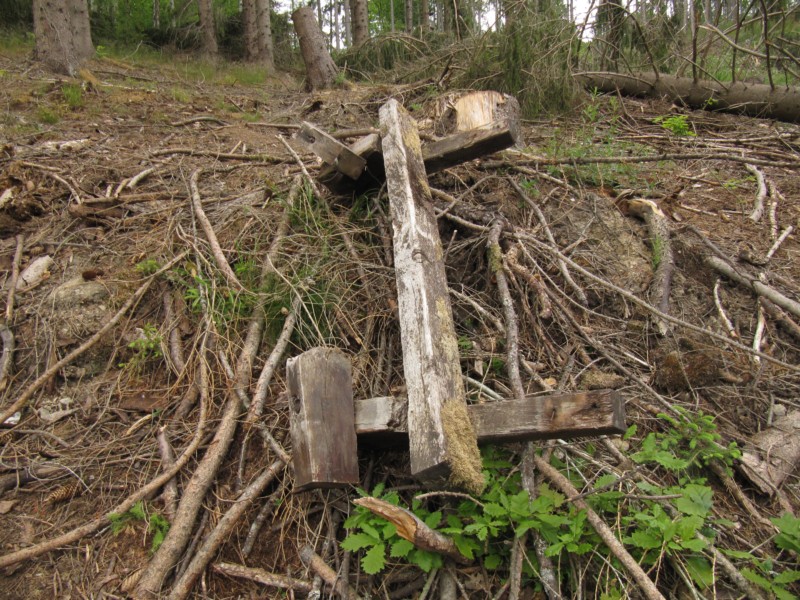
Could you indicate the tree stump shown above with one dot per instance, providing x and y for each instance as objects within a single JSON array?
[
  {"x": 320, "y": 70},
  {"x": 477, "y": 110}
]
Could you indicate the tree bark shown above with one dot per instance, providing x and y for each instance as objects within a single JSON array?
[
  {"x": 320, "y": 70},
  {"x": 755, "y": 100},
  {"x": 206, "y": 10},
  {"x": 359, "y": 21},
  {"x": 264, "y": 34},
  {"x": 409, "y": 16},
  {"x": 424, "y": 17},
  {"x": 63, "y": 35},
  {"x": 250, "y": 30}
]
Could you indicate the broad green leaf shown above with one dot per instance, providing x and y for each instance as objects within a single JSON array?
[
  {"x": 433, "y": 519},
  {"x": 696, "y": 500},
  {"x": 453, "y": 522},
  {"x": 781, "y": 594},
  {"x": 357, "y": 541},
  {"x": 645, "y": 540},
  {"x": 492, "y": 561},
  {"x": 787, "y": 577},
  {"x": 696, "y": 545},
  {"x": 425, "y": 560},
  {"x": 494, "y": 510},
  {"x": 789, "y": 536},
  {"x": 389, "y": 531},
  {"x": 466, "y": 546},
  {"x": 754, "y": 577},
  {"x": 700, "y": 570},
  {"x": 368, "y": 528},
  {"x": 737, "y": 554},
  {"x": 374, "y": 560},
  {"x": 400, "y": 549}
]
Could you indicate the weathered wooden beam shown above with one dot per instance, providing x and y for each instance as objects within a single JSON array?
[
  {"x": 466, "y": 145},
  {"x": 555, "y": 416},
  {"x": 441, "y": 438},
  {"x": 331, "y": 150},
  {"x": 322, "y": 425},
  {"x": 441, "y": 154}
]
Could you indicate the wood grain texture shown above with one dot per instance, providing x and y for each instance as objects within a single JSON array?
[
  {"x": 555, "y": 416},
  {"x": 430, "y": 350},
  {"x": 322, "y": 419}
]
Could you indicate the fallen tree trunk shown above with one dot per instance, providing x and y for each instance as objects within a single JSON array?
[{"x": 752, "y": 99}]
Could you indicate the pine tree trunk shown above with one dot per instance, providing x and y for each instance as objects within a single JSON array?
[
  {"x": 424, "y": 17},
  {"x": 409, "y": 16},
  {"x": 359, "y": 21},
  {"x": 264, "y": 28},
  {"x": 250, "y": 29},
  {"x": 206, "y": 9},
  {"x": 348, "y": 34},
  {"x": 156, "y": 14},
  {"x": 320, "y": 70},
  {"x": 63, "y": 35}
]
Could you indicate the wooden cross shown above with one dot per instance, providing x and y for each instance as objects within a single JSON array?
[{"x": 441, "y": 429}]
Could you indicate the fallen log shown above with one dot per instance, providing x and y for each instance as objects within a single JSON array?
[{"x": 751, "y": 99}]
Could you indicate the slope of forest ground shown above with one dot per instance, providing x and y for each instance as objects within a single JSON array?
[{"x": 99, "y": 175}]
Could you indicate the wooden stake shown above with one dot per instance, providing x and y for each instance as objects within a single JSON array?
[{"x": 322, "y": 423}]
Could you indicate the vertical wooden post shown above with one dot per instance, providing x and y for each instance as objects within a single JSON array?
[
  {"x": 441, "y": 437},
  {"x": 322, "y": 419}
]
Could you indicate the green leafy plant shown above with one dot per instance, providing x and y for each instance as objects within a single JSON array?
[
  {"x": 691, "y": 441},
  {"x": 480, "y": 527},
  {"x": 157, "y": 525},
  {"x": 147, "y": 267},
  {"x": 676, "y": 124},
  {"x": 146, "y": 346},
  {"x": 374, "y": 534}
]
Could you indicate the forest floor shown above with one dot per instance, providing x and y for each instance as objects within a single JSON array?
[{"x": 98, "y": 176}]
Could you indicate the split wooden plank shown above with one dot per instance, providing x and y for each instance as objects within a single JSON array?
[
  {"x": 546, "y": 417},
  {"x": 322, "y": 423},
  {"x": 331, "y": 150},
  {"x": 442, "y": 440}
]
